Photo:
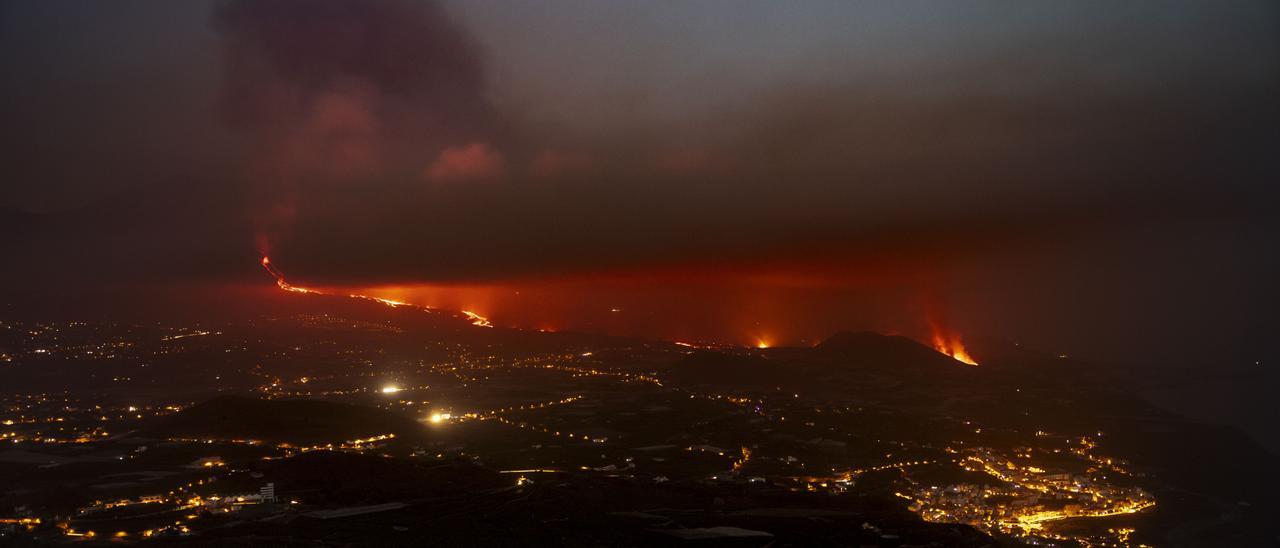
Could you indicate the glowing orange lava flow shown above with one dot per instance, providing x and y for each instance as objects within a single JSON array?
[
  {"x": 951, "y": 346},
  {"x": 475, "y": 319},
  {"x": 266, "y": 263}
]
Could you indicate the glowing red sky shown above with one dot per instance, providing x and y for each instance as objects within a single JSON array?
[{"x": 727, "y": 310}]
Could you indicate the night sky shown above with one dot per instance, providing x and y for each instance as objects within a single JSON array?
[{"x": 1092, "y": 178}]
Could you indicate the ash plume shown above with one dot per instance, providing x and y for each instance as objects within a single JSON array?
[{"x": 343, "y": 92}]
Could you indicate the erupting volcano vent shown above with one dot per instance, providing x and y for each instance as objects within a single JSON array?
[
  {"x": 945, "y": 339},
  {"x": 949, "y": 344}
]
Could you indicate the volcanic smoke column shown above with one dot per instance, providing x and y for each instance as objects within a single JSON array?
[{"x": 336, "y": 95}]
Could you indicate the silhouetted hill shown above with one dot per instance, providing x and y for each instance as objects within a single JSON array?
[
  {"x": 874, "y": 351},
  {"x": 290, "y": 421},
  {"x": 843, "y": 357}
]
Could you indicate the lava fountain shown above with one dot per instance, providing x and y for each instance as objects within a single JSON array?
[{"x": 950, "y": 344}]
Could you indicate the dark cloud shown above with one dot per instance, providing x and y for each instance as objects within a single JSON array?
[
  {"x": 845, "y": 175},
  {"x": 425, "y": 74}
]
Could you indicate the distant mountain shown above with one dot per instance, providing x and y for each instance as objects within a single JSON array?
[
  {"x": 288, "y": 421},
  {"x": 843, "y": 357},
  {"x": 868, "y": 350}
]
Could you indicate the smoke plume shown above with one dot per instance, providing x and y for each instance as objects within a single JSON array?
[{"x": 342, "y": 92}]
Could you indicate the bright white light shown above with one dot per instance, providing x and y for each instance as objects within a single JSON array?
[
  {"x": 438, "y": 418},
  {"x": 391, "y": 389}
]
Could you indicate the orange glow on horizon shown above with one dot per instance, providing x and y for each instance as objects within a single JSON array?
[
  {"x": 699, "y": 313},
  {"x": 723, "y": 316}
]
